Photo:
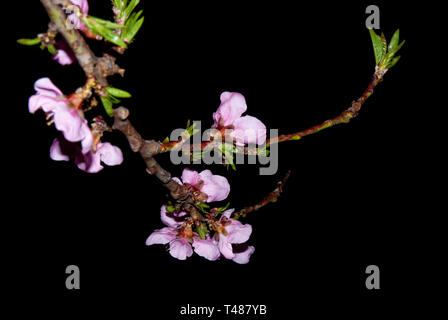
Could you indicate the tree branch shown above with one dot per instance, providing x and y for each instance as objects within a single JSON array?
[{"x": 271, "y": 197}]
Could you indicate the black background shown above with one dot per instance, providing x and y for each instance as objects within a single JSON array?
[{"x": 350, "y": 201}]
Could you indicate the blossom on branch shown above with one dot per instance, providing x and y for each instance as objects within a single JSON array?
[
  {"x": 216, "y": 187},
  {"x": 64, "y": 55},
  {"x": 77, "y": 142},
  {"x": 63, "y": 150},
  {"x": 57, "y": 107},
  {"x": 234, "y": 232},
  {"x": 245, "y": 130}
]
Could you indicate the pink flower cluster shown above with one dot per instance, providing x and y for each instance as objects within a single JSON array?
[
  {"x": 77, "y": 140},
  {"x": 229, "y": 239}
]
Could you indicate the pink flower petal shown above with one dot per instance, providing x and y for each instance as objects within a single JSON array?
[
  {"x": 171, "y": 219},
  {"x": 238, "y": 232},
  {"x": 89, "y": 162},
  {"x": 249, "y": 129},
  {"x": 243, "y": 257},
  {"x": 180, "y": 249},
  {"x": 162, "y": 236},
  {"x": 233, "y": 105},
  {"x": 190, "y": 177},
  {"x": 45, "y": 87},
  {"x": 56, "y": 152},
  {"x": 227, "y": 213},
  {"x": 87, "y": 139},
  {"x": 65, "y": 55},
  {"x": 69, "y": 123},
  {"x": 46, "y": 103},
  {"x": 225, "y": 247},
  {"x": 216, "y": 187},
  {"x": 82, "y": 4},
  {"x": 109, "y": 154},
  {"x": 206, "y": 248}
]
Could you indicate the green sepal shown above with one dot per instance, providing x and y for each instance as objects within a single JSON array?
[
  {"x": 170, "y": 208},
  {"x": 52, "y": 49},
  {"x": 202, "y": 230},
  {"x": 222, "y": 209}
]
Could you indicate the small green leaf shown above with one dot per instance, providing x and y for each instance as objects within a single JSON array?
[
  {"x": 29, "y": 42},
  {"x": 117, "y": 92},
  {"x": 106, "y": 33},
  {"x": 108, "y": 24},
  {"x": 228, "y": 156},
  {"x": 127, "y": 12},
  {"x": 296, "y": 138},
  {"x": 377, "y": 46},
  {"x": 393, "y": 62},
  {"x": 395, "y": 50},
  {"x": 107, "y": 104},
  {"x": 166, "y": 140},
  {"x": 133, "y": 25},
  {"x": 394, "y": 41}
]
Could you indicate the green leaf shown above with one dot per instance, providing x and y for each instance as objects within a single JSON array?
[
  {"x": 127, "y": 12},
  {"x": 106, "y": 33},
  {"x": 395, "y": 50},
  {"x": 119, "y": 4},
  {"x": 228, "y": 155},
  {"x": 106, "y": 23},
  {"x": 117, "y": 92},
  {"x": 202, "y": 231},
  {"x": 133, "y": 29},
  {"x": 393, "y": 62},
  {"x": 383, "y": 48},
  {"x": 107, "y": 104},
  {"x": 394, "y": 41},
  {"x": 377, "y": 46},
  {"x": 29, "y": 42}
]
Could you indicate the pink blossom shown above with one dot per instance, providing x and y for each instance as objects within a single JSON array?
[
  {"x": 63, "y": 150},
  {"x": 216, "y": 187},
  {"x": 65, "y": 55},
  {"x": 237, "y": 233},
  {"x": 180, "y": 247},
  {"x": 66, "y": 119},
  {"x": 245, "y": 129}
]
